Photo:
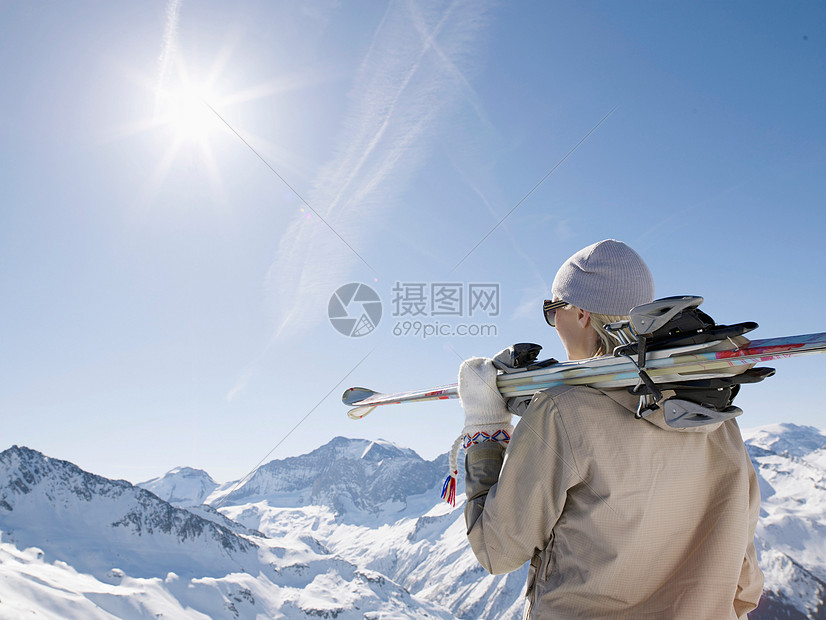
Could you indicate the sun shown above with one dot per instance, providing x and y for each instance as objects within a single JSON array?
[
  {"x": 185, "y": 111},
  {"x": 184, "y": 121},
  {"x": 191, "y": 110},
  {"x": 183, "y": 105}
]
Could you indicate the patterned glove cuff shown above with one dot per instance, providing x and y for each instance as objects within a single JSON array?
[{"x": 472, "y": 437}]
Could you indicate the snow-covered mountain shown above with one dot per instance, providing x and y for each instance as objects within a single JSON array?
[
  {"x": 356, "y": 478},
  {"x": 790, "y": 462},
  {"x": 182, "y": 486},
  {"x": 95, "y": 524},
  {"x": 354, "y": 529},
  {"x": 75, "y": 545},
  {"x": 377, "y": 505}
]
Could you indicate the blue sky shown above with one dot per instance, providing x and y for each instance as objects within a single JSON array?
[{"x": 165, "y": 293}]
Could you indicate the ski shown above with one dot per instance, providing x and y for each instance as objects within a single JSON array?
[{"x": 688, "y": 363}]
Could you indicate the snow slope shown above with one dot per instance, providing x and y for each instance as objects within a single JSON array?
[{"x": 790, "y": 462}]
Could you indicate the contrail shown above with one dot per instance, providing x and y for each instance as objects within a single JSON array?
[
  {"x": 405, "y": 88},
  {"x": 169, "y": 49}
]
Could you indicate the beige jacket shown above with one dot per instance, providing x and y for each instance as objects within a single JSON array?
[{"x": 620, "y": 518}]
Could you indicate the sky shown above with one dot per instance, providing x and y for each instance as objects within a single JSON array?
[{"x": 185, "y": 186}]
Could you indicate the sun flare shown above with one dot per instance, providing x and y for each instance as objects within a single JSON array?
[
  {"x": 185, "y": 111},
  {"x": 191, "y": 108},
  {"x": 185, "y": 124}
]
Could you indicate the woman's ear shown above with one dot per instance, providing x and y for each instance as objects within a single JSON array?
[{"x": 583, "y": 317}]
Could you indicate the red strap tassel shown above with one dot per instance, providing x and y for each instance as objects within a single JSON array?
[{"x": 449, "y": 489}]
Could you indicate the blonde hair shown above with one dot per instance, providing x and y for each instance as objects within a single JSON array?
[{"x": 609, "y": 340}]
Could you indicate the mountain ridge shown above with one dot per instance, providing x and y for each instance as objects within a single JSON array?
[{"x": 337, "y": 532}]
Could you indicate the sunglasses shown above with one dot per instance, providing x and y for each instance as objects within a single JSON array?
[{"x": 549, "y": 309}]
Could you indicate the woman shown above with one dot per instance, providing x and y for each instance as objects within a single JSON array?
[{"x": 619, "y": 517}]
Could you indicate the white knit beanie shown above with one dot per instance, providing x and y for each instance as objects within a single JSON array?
[{"x": 607, "y": 277}]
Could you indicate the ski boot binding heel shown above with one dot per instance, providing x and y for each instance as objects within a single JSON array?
[{"x": 681, "y": 413}]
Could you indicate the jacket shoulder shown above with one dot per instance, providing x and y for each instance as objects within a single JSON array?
[
  {"x": 584, "y": 399},
  {"x": 562, "y": 393}
]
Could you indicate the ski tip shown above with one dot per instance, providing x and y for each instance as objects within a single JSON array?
[
  {"x": 355, "y": 395},
  {"x": 357, "y": 413}
]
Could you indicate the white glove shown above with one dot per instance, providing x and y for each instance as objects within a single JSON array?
[{"x": 486, "y": 415}]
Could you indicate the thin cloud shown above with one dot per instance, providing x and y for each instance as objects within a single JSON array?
[
  {"x": 240, "y": 385},
  {"x": 169, "y": 49},
  {"x": 528, "y": 308},
  {"x": 411, "y": 76}
]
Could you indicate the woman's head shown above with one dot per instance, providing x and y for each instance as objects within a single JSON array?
[{"x": 600, "y": 283}]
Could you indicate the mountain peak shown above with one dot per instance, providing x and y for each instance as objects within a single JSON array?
[
  {"x": 190, "y": 472},
  {"x": 182, "y": 486},
  {"x": 380, "y": 449},
  {"x": 349, "y": 475},
  {"x": 786, "y": 439}
]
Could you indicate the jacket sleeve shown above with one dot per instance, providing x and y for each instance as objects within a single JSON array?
[
  {"x": 515, "y": 495},
  {"x": 750, "y": 585}
]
